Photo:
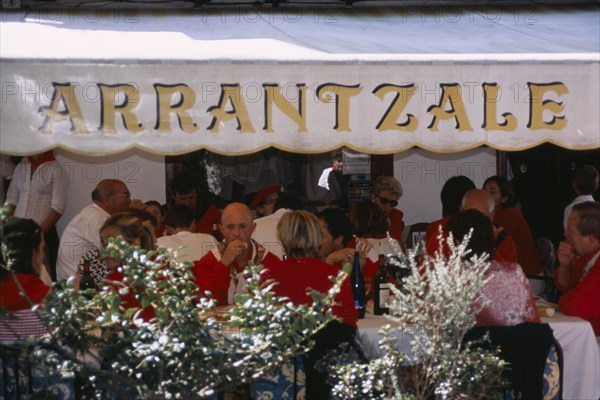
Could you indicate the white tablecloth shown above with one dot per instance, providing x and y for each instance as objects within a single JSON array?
[{"x": 581, "y": 379}]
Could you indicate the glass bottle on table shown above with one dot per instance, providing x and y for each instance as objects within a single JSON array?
[
  {"x": 216, "y": 232},
  {"x": 358, "y": 287},
  {"x": 87, "y": 280},
  {"x": 382, "y": 285}
]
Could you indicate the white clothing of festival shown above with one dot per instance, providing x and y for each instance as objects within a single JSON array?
[
  {"x": 35, "y": 195},
  {"x": 381, "y": 246},
  {"x": 324, "y": 179},
  {"x": 189, "y": 246},
  {"x": 265, "y": 232},
  {"x": 82, "y": 234},
  {"x": 577, "y": 200}
]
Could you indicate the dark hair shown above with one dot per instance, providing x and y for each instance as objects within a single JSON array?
[
  {"x": 369, "y": 220},
  {"x": 338, "y": 224},
  {"x": 482, "y": 239},
  {"x": 21, "y": 238},
  {"x": 506, "y": 190},
  {"x": 288, "y": 200},
  {"x": 179, "y": 216},
  {"x": 589, "y": 218},
  {"x": 586, "y": 179},
  {"x": 184, "y": 184},
  {"x": 452, "y": 193},
  {"x": 155, "y": 204}
]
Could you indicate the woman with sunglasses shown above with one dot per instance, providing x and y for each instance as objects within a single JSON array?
[
  {"x": 263, "y": 203},
  {"x": 385, "y": 193}
]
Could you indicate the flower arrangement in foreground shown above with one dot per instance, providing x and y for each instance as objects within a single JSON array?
[
  {"x": 184, "y": 351},
  {"x": 436, "y": 307}
]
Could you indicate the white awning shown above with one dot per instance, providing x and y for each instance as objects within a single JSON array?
[{"x": 378, "y": 80}]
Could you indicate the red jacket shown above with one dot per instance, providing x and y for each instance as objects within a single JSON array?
[
  {"x": 295, "y": 275},
  {"x": 214, "y": 276},
  {"x": 204, "y": 224},
  {"x": 10, "y": 297},
  {"x": 515, "y": 225},
  {"x": 583, "y": 300}
]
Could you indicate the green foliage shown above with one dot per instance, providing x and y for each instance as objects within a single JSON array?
[
  {"x": 185, "y": 351},
  {"x": 435, "y": 307}
]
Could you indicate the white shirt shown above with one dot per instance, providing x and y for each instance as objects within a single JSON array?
[
  {"x": 381, "y": 246},
  {"x": 577, "y": 200},
  {"x": 81, "y": 235},
  {"x": 189, "y": 246},
  {"x": 265, "y": 232},
  {"x": 35, "y": 195}
]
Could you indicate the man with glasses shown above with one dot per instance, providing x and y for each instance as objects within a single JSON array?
[
  {"x": 385, "y": 192},
  {"x": 110, "y": 196}
]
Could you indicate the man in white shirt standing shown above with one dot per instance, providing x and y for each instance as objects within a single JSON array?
[
  {"x": 181, "y": 238},
  {"x": 585, "y": 182},
  {"x": 83, "y": 232},
  {"x": 38, "y": 190}
]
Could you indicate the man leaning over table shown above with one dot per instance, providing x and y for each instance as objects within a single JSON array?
[
  {"x": 221, "y": 271},
  {"x": 110, "y": 196},
  {"x": 578, "y": 273}
]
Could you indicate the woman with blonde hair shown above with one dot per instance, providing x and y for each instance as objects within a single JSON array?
[
  {"x": 300, "y": 234},
  {"x": 128, "y": 224},
  {"x": 136, "y": 227}
]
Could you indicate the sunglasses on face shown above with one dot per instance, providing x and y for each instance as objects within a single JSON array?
[
  {"x": 269, "y": 201},
  {"x": 386, "y": 201}
]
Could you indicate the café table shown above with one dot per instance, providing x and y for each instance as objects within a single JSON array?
[{"x": 581, "y": 380}]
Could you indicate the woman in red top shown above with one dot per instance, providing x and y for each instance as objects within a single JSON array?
[
  {"x": 300, "y": 234},
  {"x": 510, "y": 218},
  {"x": 26, "y": 244}
]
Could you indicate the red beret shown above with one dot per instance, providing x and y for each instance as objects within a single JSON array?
[{"x": 260, "y": 196}]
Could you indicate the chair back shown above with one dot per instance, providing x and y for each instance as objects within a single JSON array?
[
  {"x": 527, "y": 347},
  {"x": 553, "y": 373},
  {"x": 21, "y": 378},
  {"x": 547, "y": 256}
]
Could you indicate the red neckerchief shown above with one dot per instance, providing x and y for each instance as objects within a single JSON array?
[{"x": 36, "y": 163}]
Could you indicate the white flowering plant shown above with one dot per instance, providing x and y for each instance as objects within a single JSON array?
[
  {"x": 436, "y": 306},
  {"x": 186, "y": 351}
]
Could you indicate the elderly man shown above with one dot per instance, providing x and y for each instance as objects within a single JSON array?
[
  {"x": 221, "y": 271},
  {"x": 482, "y": 201},
  {"x": 578, "y": 273},
  {"x": 83, "y": 232}
]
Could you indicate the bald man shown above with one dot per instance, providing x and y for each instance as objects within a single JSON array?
[
  {"x": 482, "y": 201},
  {"x": 83, "y": 232},
  {"x": 221, "y": 271}
]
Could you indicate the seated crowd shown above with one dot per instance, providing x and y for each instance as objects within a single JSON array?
[{"x": 300, "y": 249}]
